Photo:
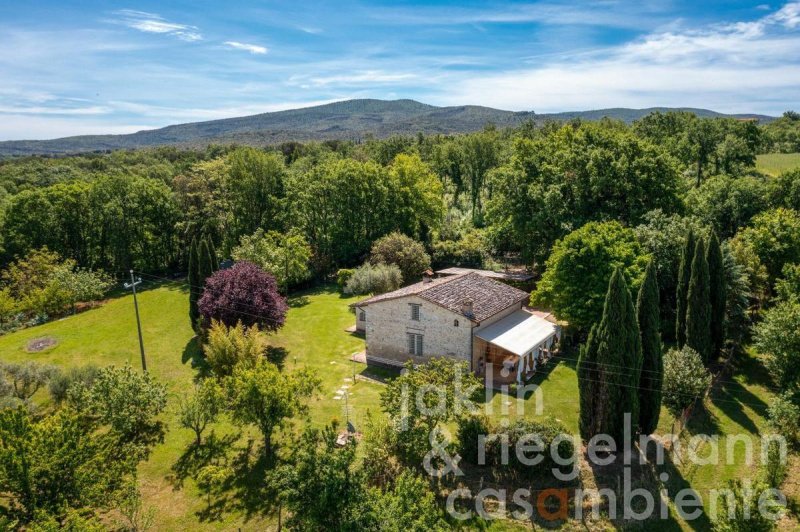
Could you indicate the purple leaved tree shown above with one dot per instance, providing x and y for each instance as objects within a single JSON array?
[{"x": 243, "y": 293}]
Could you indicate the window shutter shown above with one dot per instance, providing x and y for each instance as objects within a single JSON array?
[
  {"x": 410, "y": 343},
  {"x": 419, "y": 345}
]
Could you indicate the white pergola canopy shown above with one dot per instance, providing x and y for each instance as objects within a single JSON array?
[
  {"x": 525, "y": 335},
  {"x": 519, "y": 333}
]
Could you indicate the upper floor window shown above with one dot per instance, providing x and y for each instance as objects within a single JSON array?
[
  {"x": 362, "y": 316},
  {"x": 415, "y": 311},
  {"x": 455, "y": 323}
]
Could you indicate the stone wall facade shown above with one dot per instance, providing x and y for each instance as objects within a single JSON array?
[{"x": 445, "y": 333}]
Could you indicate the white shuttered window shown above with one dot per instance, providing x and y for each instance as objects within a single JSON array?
[{"x": 414, "y": 344}]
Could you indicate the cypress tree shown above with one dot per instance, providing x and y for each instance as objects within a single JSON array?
[
  {"x": 716, "y": 294},
  {"x": 613, "y": 359},
  {"x": 698, "y": 305},
  {"x": 212, "y": 251},
  {"x": 684, "y": 273},
  {"x": 205, "y": 264},
  {"x": 652, "y": 374},
  {"x": 194, "y": 282},
  {"x": 588, "y": 379}
]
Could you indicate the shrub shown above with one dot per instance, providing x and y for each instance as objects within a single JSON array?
[
  {"x": 43, "y": 284},
  {"x": 61, "y": 381},
  {"x": 746, "y": 515},
  {"x": 470, "y": 251},
  {"x": 405, "y": 252},
  {"x": 243, "y": 293},
  {"x": 126, "y": 400},
  {"x": 23, "y": 380},
  {"x": 374, "y": 279},
  {"x": 778, "y": 337},
  {"x": 529, "y": 432},
  {"x": 379, "y": 445},
  {"x": 685, "y": 378},
  {"x": 775, "y": 468},
  {"x": 783, "y": 416},
  {"x": 342, "y": 276},
  {"x": 227, "y": 347}
]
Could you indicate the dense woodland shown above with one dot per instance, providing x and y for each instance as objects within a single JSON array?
[
  {"x": 488, "y": 199},
  {"x": 661, "y": 233}
]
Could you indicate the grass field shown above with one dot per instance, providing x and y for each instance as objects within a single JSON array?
[
  {"x": 777, "y": 163},
  {"x": 314, "y": 336}
]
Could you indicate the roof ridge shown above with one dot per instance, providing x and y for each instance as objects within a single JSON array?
[{"x": 439, "y": 281}]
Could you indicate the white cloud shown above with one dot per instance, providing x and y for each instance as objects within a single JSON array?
[
  {"x": 42, "y": 110},
  {"x": 27, "y": 127},
  {"x": 788, "y": 15},
  {"x": 171, "y": 115},
  {"x": 153, "y": 23},
  {"x": 252, "y": 48},
  {"x": 732, "y": 67},
  {"x": 369, "y": 77},
  {"x": 552, "y": 12}
]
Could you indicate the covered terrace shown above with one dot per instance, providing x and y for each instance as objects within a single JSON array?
[{"x": 511, "y": 349}]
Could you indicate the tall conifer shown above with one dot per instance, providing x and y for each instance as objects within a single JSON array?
[
  {"x": 588, "y": 381},
  {"x": 612, "y": 359},
  {"x": 194, "y": 283},
  {"x": 684, "y": 273},
  {"x": 716, "y": 292},
  {"x": 212, "y": 250},
  {"x": 652, "y": 374},
  {"x": 698, "y": 305},
  {"x": 205, "y": 264}
]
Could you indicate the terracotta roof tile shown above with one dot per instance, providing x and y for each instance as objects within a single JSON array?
[{"x": 487, "y": 295}]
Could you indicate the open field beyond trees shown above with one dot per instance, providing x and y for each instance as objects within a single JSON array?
[{"x": 777, "y": 163}]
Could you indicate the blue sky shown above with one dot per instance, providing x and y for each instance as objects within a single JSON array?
[{"x": 81, "y": 67}]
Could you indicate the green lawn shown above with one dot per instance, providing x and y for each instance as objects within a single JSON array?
[
  {"x": 314, "y": 336},
  {"x": 777, "y": 163}
]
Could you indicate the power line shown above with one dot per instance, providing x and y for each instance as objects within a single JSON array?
[
  {"x": 199, "y": 291},
  {"x": 639, "y": 387}
]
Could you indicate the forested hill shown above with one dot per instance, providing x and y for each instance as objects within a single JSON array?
[{"x": 347, "y": 120}]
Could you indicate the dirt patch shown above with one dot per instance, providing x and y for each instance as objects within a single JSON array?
[{"x": 40, "y": 344}]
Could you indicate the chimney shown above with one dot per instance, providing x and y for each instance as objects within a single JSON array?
[
  {"x": 427, "y": 276},
  {"x": 466, "y": 308}
]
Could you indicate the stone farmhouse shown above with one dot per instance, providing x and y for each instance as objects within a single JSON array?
[{"x": 468, "y": 316}]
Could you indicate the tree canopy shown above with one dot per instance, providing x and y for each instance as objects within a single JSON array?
[
  {"x": 243, "y": 293},
  {"x": 575, "y": 281}
]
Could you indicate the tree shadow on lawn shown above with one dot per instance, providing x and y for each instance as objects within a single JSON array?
[
  {"x": 674, "y": 484},
  {"x": 643, "y": 476},
  {"x": 243, "y": 487},
  {"x": 277, "y": 355},
  {"x": 702, "y": 421},
  {"x": 213, "y": 450},
  {"x": 193, "y": 353},
  {"x": 731, "y": 396}
]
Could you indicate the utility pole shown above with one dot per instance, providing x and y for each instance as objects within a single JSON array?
[{"x": 132, "y": 285}]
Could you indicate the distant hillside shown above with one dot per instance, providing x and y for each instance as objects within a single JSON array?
[{"x": 347, "y": 120}]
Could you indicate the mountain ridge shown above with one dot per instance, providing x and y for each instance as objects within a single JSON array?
[{"x": 343, "y": 120}]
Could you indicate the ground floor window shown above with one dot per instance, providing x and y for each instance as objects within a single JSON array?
[{"x": 414, "y": 344}]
